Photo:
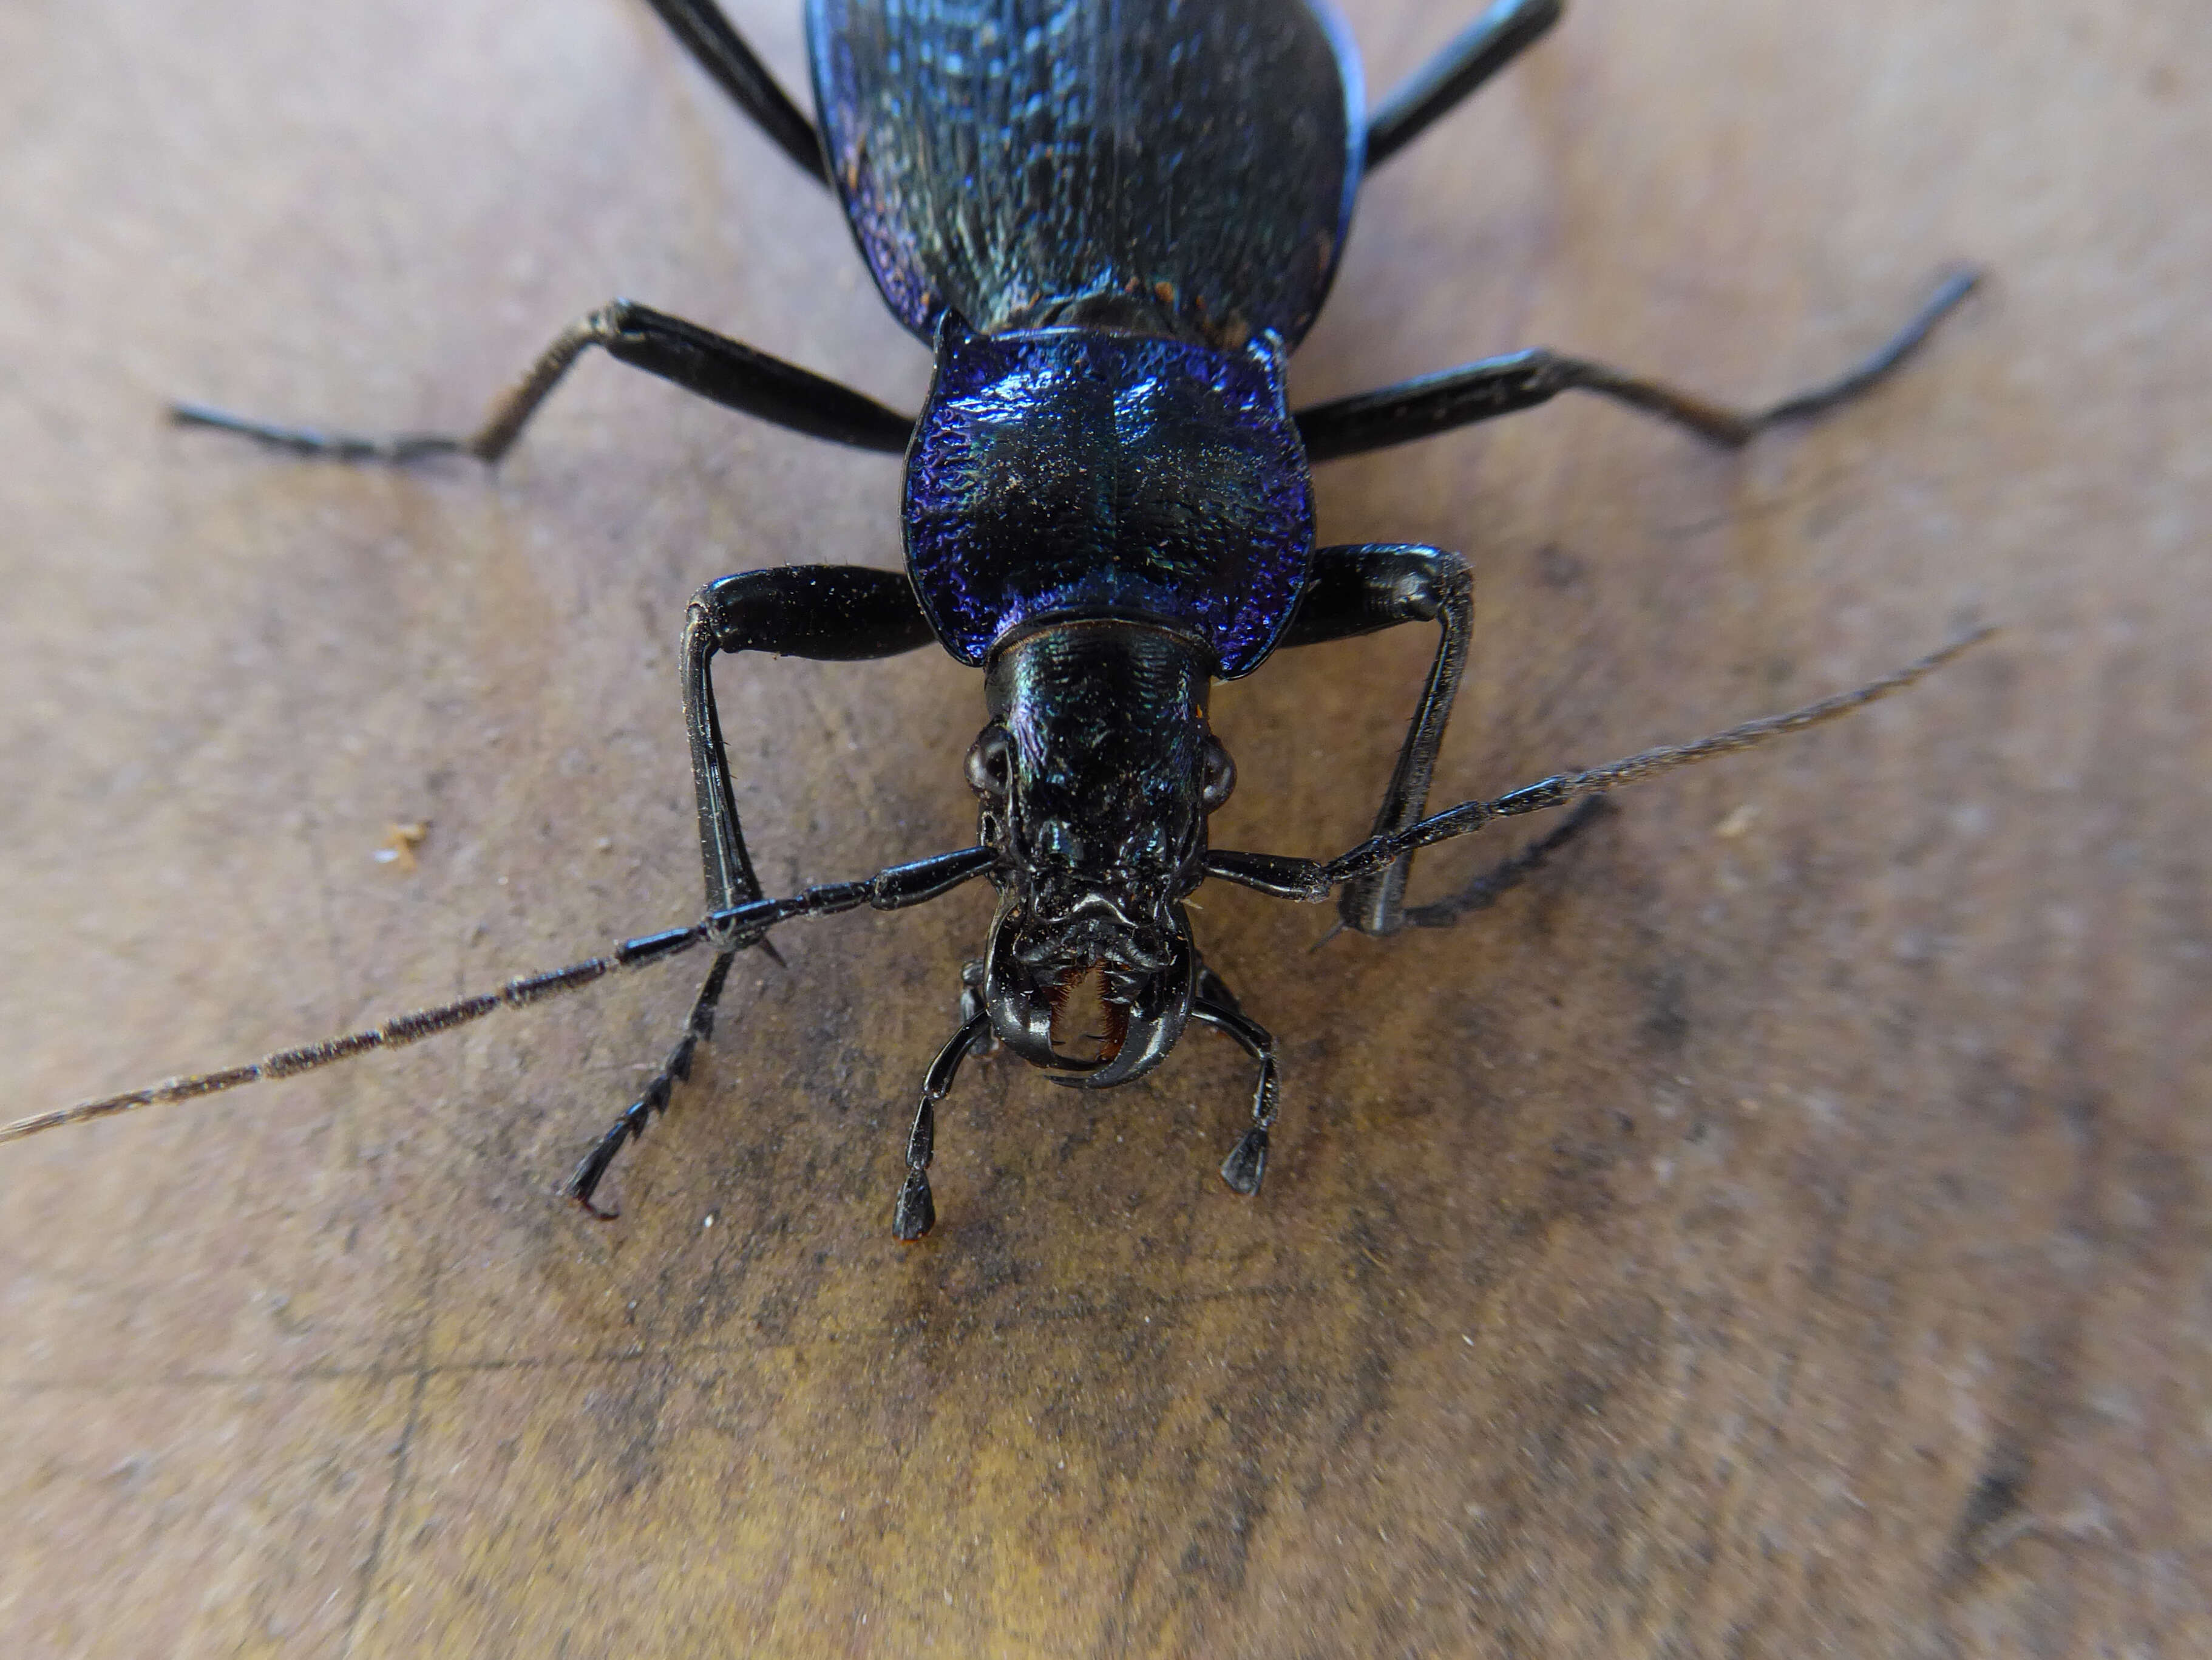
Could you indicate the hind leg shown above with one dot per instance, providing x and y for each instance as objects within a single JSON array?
[
  {"x": 1469, "y": 59},
  {"x": 721, "y": 51}
]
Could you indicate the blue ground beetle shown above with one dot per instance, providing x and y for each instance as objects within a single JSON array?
[{"x": 1112, "y": 221}]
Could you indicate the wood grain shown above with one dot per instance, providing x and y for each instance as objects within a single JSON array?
[{"x": 1780, "y": 1231}]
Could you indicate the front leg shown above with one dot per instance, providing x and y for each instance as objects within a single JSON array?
[
  {"x": 915, "y": 1212},
  {"x": 1216, "y": 1005},
  {"x": 1360, "y": 590},
  {"x": 826, "y": 613},
  {"x": 835, "y": 613}
]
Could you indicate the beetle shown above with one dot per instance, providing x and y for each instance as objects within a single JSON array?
[{"x": 1112, "y": 222}]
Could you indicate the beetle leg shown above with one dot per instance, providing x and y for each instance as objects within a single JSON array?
[
  {"x": 1305, "y": 880},
  {"x": 1469, "y": 59},
  {"x": 1499, "y": 385},
  {"x": 1210, "y": 988},
  {"x": 1309, "y": 881},
  {"x": 654, "y": 1101},
  {"x": 915, "y": 1212},
  {"x": 972, "y": 1004},
  {"x": 833, "y": 612},
  {"x": 1247, "y": 1163},
  {"x": 696, "y": 359},
  {"x": 827, "y": 613},
  {"x": 1359, "y": 590},
  {"x": 721, "y": 51}
]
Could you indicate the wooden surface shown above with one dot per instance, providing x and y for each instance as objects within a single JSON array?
[{"x": 1781, "y": 1231}]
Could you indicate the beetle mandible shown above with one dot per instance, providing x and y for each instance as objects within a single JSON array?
[{"x": 1112, "y": 221}]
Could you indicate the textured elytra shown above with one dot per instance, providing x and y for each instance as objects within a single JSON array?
[{"x": 1177, "y": 167}]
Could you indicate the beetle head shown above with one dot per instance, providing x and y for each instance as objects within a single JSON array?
[{"x": 1095, "y": 776}]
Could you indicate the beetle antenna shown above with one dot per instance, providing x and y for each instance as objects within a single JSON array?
[
  {"x": 731, "y": 929},
  {"x": 1563, "y": 788},
  {"x": 392, "y": 1034},
  {"x": 1311, "y": 881}
]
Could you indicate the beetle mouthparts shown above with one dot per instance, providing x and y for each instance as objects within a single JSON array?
[
  {"x": 1090, "y": 1020},
  {"x": 1106, "y": 942}
]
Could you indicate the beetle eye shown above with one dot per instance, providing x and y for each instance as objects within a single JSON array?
[
  {"x": 1217, "y": 777},
  {"x": 990, "y": 762}
]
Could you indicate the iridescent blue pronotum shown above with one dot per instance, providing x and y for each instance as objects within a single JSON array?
[{"x": 1112, "y": 222}]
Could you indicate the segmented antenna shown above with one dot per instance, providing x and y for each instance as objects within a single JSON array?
[
  {"x": 406, "y": 1029},
  {"x": 730, "y": 929},
  {"x": 1312, "y": 880},
  {"x": 741, "y": 926},
  {"x": 1563, "y": 787}
]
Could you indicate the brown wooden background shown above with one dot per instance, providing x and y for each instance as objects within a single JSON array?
[{"x": 1782, "y": 1242}]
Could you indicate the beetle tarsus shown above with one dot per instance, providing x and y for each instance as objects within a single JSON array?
[
  {"x": 397, "y": 449},
  {"x": 593, "y": 1167},
  {"x": 916, "y": 1213},
  {"x": 1246, "y": 1164},
  {"x": 1951, "y": 289},
  {"x": 649, "y": 1105}
]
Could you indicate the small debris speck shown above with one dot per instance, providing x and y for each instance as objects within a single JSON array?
[
  {"x": 1737, "y": 822},
  {"x": 398, "y": 846}
]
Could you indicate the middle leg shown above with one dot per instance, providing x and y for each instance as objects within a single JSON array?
[
  {"x": 1499, "y": 385},
  {"x": 725, "y": 371}
]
